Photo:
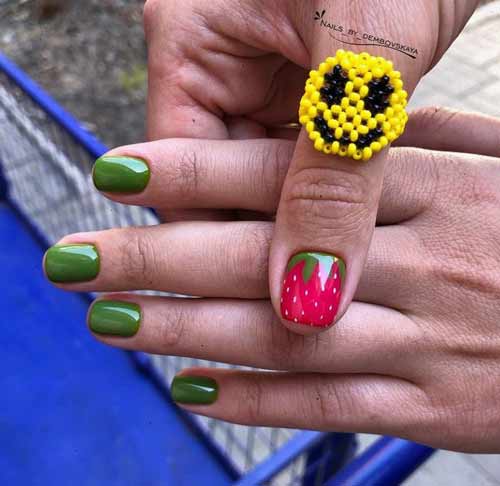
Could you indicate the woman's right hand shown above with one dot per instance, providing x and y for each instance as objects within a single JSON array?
[{"x": 417, "y": 355}]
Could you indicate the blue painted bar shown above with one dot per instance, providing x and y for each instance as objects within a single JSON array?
[
  {"x": 268, "y": 468},
  {"x": 51, "y": 107},
  {"x": 388, "y": 462}
]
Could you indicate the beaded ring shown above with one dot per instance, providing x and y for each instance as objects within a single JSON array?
[{"x": 353, "y": 105}]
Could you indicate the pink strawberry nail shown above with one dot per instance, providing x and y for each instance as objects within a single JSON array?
[{"x": 312, "y": 289}]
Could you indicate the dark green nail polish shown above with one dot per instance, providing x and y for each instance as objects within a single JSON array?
[
  {"x": 195, "y": 390},
  {"x": 115, "y": 317},
  {"x": 120, "y": 174},
  {"x": 72, "y": 263}
]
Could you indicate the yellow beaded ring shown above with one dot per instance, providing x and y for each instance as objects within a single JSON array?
[{"x": 353, "y": 105}]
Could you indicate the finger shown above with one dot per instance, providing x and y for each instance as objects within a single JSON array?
[
  {"x": 446, "y": 129},
  {"x": 370, "y": 339},
  {"x": 354, "y": 403},
  {"x": 198, "y": 258},
  {"x": 192, "y": 174}
]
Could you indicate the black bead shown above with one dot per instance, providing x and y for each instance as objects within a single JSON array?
[{"x": 328, "y": 136}]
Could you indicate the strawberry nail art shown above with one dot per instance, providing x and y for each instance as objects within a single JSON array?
[{"x": 312, "y": 289}]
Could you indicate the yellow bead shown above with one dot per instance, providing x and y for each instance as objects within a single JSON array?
[
  {"x": 363, "y": 129},
  {"x": 303, "y": 120},
  {"x": 357, "y": 155},
  {"x": 389, "y": 112},
  {"x": 342, "y": 118},
  {"x": 342, "y": 150},
  {"x": 305, "y": 102},
  {"x": 367, "y": 153},
  {"x": 335, "y": 147},
  {"x": 358, "y": 82},
  {"x": 327, "y": 148},
  {"x": 310, "y": 126},
  {"x": 371, "y": 123},
  {"x": 314, "y": 135},
  {"x": 322, "y": 106},
  {"x": 386, "y": 126},
  {"x": 367, "y": 77},
  {"x": 327, "y": 114},
  {"x": 312, "y": 112},
  {"x": 394, "y": 98},
  {"x": 319, "y": 143},
  {"x": 376, "y": 146},
  {"x": 363, "y": 91},
  {"x": 378, "y": 72},
  {"x": 380, "y": 117},
  {"x": 383, "y": 141},
  {"x": 397, "y": 83},
  {"x": 347, "y": 127},
  {"x": 315, "y": 97},
  {"x": 323, "y": 68},
  {"x": 351, "y": 149},
  {"x": 352, "y": 74},
  {"x": 395, "y": 75},
  {"x": 331, "y": 61},
  {"x": 338, "y": 133},
  {"x": 313, "y": 74},
  {"x": 302, "y": 111},
  {"x": 366, "y": 115},
  {"x": 336, "y": 109},
  {"x": 310, "y": 89},
  {"x": 354, "y": 135},
  {"x": 346, "y": 63},
  {"x": 356, "y": 121},
  {"x": 349, "y": 86},
  {"x": 391, "y": 136},
  {"x": 354, "y": 97},
  {"x": 362, "y": 68},
  {"x": 351, "y": 111},
  {"x": 319, "y": 82},
  {"x": 333, "y": 124}
]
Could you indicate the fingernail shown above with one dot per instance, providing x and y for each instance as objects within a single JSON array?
[
  {"x": 120, "y": 174},
  {"x": 115, "y": 318},
  {"x": 195, "y": 390},
  {"x": 72, "y": 263},
  {"x": 312, "y": 289}
]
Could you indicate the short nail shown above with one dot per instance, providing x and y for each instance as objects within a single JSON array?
[
  {"x": 195, "y": 390},
  {"x": 312, "y": 288},
  {"x": 115, "y": 317},
  {"x": 120, "y": 174},
  {"x": 72, "y": 263}
]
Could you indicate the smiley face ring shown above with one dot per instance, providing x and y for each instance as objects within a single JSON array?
[{"x": 353, "y": 105}]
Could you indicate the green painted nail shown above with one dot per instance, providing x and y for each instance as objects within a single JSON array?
[
  {"x": 196, "y": 390},
  {"x": 120, "y": 174},
  {"x": 115, "y": 317},
  {"x": 72, "y": 263}
]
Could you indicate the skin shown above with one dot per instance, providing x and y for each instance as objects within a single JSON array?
[
  {"x": 213, "y": 74},
  {"x": 416, "y": 355}
]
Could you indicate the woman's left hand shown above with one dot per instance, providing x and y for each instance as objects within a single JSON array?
[{"x": 417, "y": 354}]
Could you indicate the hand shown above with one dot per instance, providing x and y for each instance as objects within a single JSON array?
[
  {"x": 417, "y": 354},
  {"x": 214, "y": 74}
]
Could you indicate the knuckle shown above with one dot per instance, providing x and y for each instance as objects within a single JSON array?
[
  {"x": 273, "y": 162},
  {"x": 328, "y": 199},
  {"x": 172, "y": 327},
  {"x": 433, "y": 117},
  {"x": 251, "y": 403},
  {"x": 251, "y": 251},
  {"x": 138, "y": 259}
]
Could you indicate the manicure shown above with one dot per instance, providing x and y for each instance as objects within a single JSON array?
[
  {"x": 114, "y": 317},
  {"x": 312, "y": 289},
  {"x": 194, "y": 390},
  {"x": 72, "y": 263},
  {"x": 120, "y": 174}
]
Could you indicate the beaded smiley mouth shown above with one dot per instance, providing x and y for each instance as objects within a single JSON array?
[{"x": 353, "y": 105}]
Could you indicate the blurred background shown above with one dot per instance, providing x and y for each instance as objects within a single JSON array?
[{"x": 90, "y": 55}]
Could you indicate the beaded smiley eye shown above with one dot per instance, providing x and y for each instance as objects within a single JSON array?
[{"x": 353, "y": 105}]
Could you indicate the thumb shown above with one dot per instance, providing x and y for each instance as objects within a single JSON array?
[{"x": 352, "y": 109}]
